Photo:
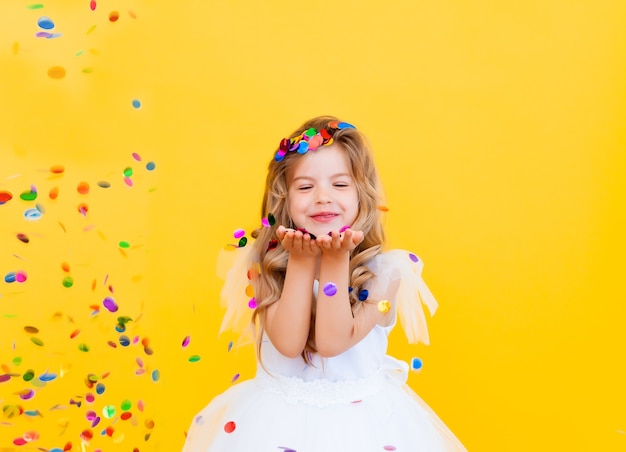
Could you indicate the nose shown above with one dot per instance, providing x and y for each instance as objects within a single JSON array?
[{"x": 322, "y": 196}]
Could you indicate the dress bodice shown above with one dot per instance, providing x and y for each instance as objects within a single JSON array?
[{"x": 361, "y": 360}]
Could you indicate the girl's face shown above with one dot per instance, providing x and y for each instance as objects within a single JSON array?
[{"x": 322, "y": 196}]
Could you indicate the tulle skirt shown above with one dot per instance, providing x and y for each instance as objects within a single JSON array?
[{"x": 286, "y": 414}]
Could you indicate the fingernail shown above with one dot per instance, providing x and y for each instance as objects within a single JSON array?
[
  {"x": 344, "y": 228},
  {"x": 313, "y": 237}
]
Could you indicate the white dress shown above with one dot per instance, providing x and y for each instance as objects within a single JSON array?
[{"x": 355, "y": 402}]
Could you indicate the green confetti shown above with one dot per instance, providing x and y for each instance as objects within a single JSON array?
[
  {"x": 126, "y": 405},
  {"x": 35, "y": 6},
  {"x": 28, "y": 195},
  {"x": 36, "y": 341},
  {"x": 68, "y": 281},
  {"x": 194, "y": 358},
  {"x": 83, "y": 347},
  {"x": 28, "y": 375},
  {"x": 124, "y": 244}
]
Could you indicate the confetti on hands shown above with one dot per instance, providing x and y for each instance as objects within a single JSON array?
[
  {"x": 338, "y": 242},
  {"x": 297, "y": 242}
]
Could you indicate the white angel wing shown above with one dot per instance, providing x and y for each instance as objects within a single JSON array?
[
  {"x": 399, "y": 280},
  {"x": 232, "y": 267}
]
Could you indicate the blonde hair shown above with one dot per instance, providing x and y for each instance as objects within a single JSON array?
[{"x": 271, "y": 265}]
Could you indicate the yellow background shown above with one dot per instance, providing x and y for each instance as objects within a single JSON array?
[{"x": 498, "y": 129}]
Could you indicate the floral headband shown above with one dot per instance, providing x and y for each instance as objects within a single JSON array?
[{"x": 310, "y": 140}]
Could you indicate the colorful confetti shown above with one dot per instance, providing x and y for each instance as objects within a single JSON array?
[{"x": 330, "y": 289}]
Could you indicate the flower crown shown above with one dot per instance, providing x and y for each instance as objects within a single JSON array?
[{"x": 310, "y": 140}]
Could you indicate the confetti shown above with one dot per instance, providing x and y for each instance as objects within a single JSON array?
[
  {"x": 56, "y": 72},
  {"x": 83, "y": 188},
  {"x": 330, "y": 289},
  {"x": 136, "y": 103},
  {"x": 68, "y": 281},
  {"x": 413, "y": 257},
  {"x": 31, "y": 329},
  {"x": 104, "y": 184},
  {"x": 109, "y": 304},
  {"x": 57, "y": 169},
  {"x": 186, "y": 341},
  {"x": 194, "y": 358},
  {"x": 29, "y": 195},
  {"x": 239, "y": 233},
  {"x": 92, "y": 5},
  {"x": 28, "y": 375},
  {"x": 46, "y": 23},
  {"x": 384, "y": 306},
  {"x": 156, "y": 375},
  {"x": 36, "y": 341},
  {"x": 252, "y": 304},
  {"x": 47, "y": 376},
  {"x": 5, "y": 196},
  {"x": 108, "y": 411},
  {"x": 416, "y": 364},
  {"x": 114, "y": 16},
  {"x": 150, "y": 166},
  {"x": 229, "y": 427},
  {"x": 54, "y": 193}
]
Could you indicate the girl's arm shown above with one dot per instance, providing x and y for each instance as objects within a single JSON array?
[
  {"x": 288, "y": 321},
  {"x": 336, "y": 330}
]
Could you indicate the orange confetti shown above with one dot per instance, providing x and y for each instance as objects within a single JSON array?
[
  {"x": 83, "y": 188},
  {"x": 74, "y": 334},
  {"x": 57, "y": 169},
  {"x": 383, "y": 208},
  {"x": 114, "y": 16},
  {"x": 54, "y": 193},
  {"x": 66, "y": 267},
  {"x": 56, "y": 72}
]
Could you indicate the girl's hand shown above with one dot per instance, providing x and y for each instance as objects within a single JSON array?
[
  {"x": 297, "y": 242},
  {"x": 338, "y": 243}
]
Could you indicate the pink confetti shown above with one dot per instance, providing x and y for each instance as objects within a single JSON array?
[{"x": 186, "y": 341}]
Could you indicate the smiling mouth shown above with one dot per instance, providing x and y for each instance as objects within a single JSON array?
[{"x": 325, "y": 216}]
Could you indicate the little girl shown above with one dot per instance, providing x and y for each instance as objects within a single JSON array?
[{"x": 326, "y": 297}]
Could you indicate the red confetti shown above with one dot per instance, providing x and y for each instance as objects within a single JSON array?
[
  {"x": 229, "y": 427},
  {"x": 92, "y": 5}
]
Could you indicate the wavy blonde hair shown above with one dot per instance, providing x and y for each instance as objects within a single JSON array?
[{"x": 268, "y": 281}]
